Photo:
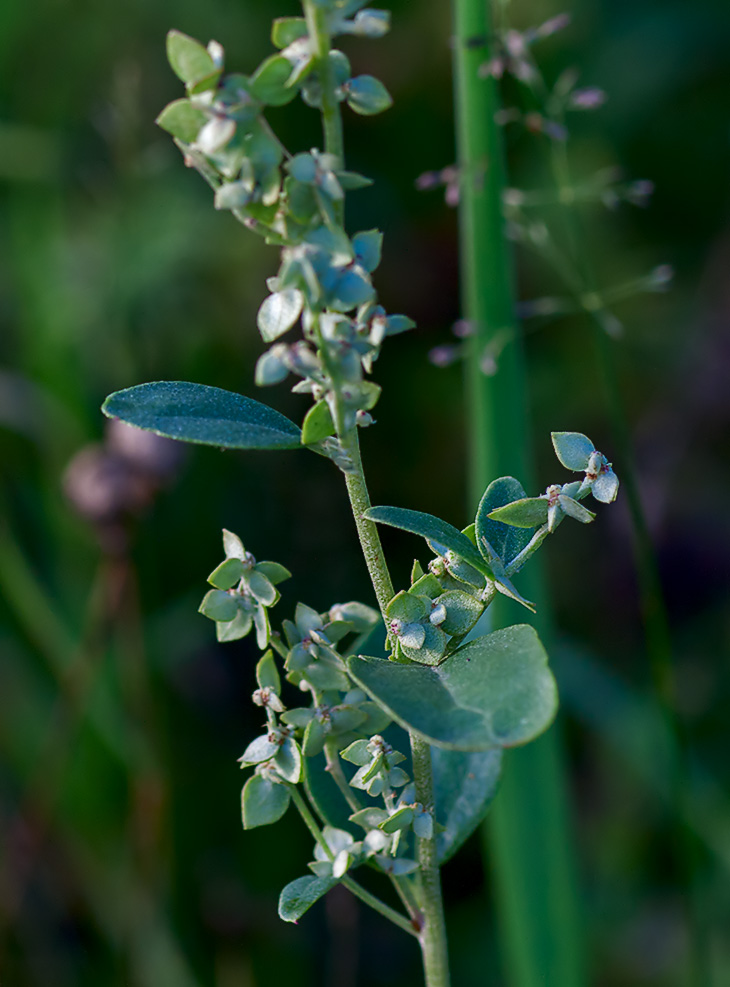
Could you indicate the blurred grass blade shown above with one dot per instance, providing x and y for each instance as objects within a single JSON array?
[
  {"x": 533, "y": 869},
  {"x": 528, "y": 828}
]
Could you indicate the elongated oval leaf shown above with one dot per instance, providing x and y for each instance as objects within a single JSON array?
[
  {"x": 299, "y": 896},
  {"x": 495, "y": 691},
  {"x": 465, "y": 782},
  {"x": 431, "y": 528},
  {"x": 202, "y": 414}
]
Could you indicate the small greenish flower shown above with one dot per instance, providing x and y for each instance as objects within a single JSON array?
[
  {"x": 343, "y": 849},
  {"x": 243, "y": 590},
  {"x": 576, "y": 452},
  {"x": 413, "y": 621}
]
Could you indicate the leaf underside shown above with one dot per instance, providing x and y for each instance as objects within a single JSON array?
[{"x": 464, "y": 782}]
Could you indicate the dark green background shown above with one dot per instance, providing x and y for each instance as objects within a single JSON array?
[{"x": 123, "y": 861}]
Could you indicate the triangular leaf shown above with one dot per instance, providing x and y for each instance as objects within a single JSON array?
[
  {"x": 269, "y": 81},
  {"x": 496, "y": 691},
  {"x": 367, "y": 95},
  {"x": 182, "y": 120},
  {"x": 278, "y": 313},
  {"x": 605, "y": 487},
  {"x": 576, "y": 510},
  {"x": 286, "y": 30}
]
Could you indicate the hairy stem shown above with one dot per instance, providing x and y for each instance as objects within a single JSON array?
[
  {"x": 338, "y": 776},
  {"x": 367, "y": 530},
  {"x": 318, "y": 28},
  {"x": 432, "y": 935}
]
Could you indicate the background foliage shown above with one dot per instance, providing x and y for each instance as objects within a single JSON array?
[{"x": 123, "y": 859}]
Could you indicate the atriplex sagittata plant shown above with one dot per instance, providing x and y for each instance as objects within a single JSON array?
[{"x": 461, "y": 699}]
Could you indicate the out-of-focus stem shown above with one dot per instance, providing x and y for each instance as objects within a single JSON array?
[{"x": 528, "y": 826}]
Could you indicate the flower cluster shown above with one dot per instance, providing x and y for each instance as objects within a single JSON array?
[{"x": 296, "y": 202}]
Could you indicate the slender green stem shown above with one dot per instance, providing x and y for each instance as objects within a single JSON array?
[
  {"x": 406, "y": 892},
  {"x": 338, "y": 776},
  {"x": 432, "y": 935},
  {"x": 349, "y": 882},
  {"x": 530, "y": 548},
  {"x": 318, "y": 28},
  {"x": 278, "y": 645},
  {"x": 309, "y": 821},
  {"x": 379, "y": 906},
  {"x": 334, "y": 767},
  {"x": 367, "y": 531}
]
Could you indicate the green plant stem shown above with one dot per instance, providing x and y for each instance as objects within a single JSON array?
[
  {"x": 379, "y": 906},
  {"x": 400, "y": 884},
  {"x": 367, "y": 530},
  {"x": 278, "y": 645},
  {"x": 432, "y": 936},
  {"x": 527, "y": 829},
  {"x": 350, "y": 883},
  {"x": 530, "y": 548},
  {"x": 316, "y": 17},
  {"x": 432, "y": 933},
  {"x": 338, "y": 776}
]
